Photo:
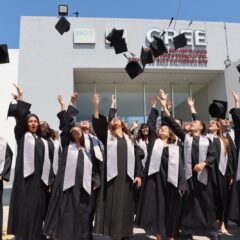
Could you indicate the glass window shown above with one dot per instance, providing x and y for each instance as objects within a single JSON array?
[
  {"x": 200, "y": 95},
  {"x": 130, "y": 102}
]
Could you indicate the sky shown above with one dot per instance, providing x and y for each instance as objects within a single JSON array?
[{"x": 196, "y": 10}]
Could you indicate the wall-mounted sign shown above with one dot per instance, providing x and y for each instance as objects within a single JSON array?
[
  {"x": 194, "y": 37},
  {"x": 108, "y": 30},
  {"x": 84, "y": 35}
]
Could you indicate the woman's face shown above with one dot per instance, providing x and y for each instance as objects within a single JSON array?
[
  {"x": 76, "y": 133},
  {"x": 85, "y": 124},
  {"x": 44, "y": 128},
  {"x": 145, "y": 130},
  {"x": 212, "y": 126},
  {"x": 196, "y": 126},
  {"x": 164, "y": 132},
  {"x": 116, "y": 121},
  {"x": 32, "y": 124}
]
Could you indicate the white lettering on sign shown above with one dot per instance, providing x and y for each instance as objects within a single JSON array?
[
  {"x": 194, "y": 37},
  {"x": 84, "y": 35}
]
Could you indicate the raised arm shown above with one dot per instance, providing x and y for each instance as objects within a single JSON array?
[
  {"x": 169, "y": 119},
  {"x": 99, "y": 122},
  {"x": 112, "y": 110},
  {"x": 67, "y": 120},
  {"x": 191, "y": 105},
  {"x": 152, "y": 118},
  {"x": 235, "y": 112},
  {"x": 19, "y": 111}
]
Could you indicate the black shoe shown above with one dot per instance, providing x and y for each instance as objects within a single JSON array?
[{"x": 215, "y": 237}]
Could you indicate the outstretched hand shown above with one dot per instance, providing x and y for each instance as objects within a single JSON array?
[
  {"x": 73, "y": 99},
  {"x": 190, "y": 101},
  {"x": 62, "y": 103},
  {"x": 19, "y": 95}
]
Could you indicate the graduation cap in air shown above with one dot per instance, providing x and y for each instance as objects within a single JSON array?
[
  {"x": 180, "y": 41},
  {"x": 157, "y": 47},
  {"x": 146, "y": 57},
  {"x": 63, "y": 25},
  {"x": 12, "y": 110},
  {"x": 218, "y": 109},
  {"x": 238, "y": 67},
  {"x": 4, "y": 57},
  {"x": 19, "y": 110},
  {"x": 133, "y": 69},
  {"x": 115, "y": 37}
]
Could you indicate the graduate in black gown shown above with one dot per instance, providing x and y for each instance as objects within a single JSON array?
[
  {"x": 6, "y": 156},
  {"x": 28, "y": 197},
  {"x": 164, "y": 182},
  {"x": 69, "y": 209},
  {"x": 234, "y": 205},
  {"x": 92, "y": 145},
  {"x": 224, "y": 172},
  {"x": 122, "y": 172},
  {"x": 54, "y": 150},
  {"x": 224, "y": 165},
  {"x": 142, "y": 140},
  {"x": 199, "y": 211}
]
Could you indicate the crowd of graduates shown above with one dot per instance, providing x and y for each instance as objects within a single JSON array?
[{"x": 101, "y": 177}]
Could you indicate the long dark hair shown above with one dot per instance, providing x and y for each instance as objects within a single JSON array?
[
  {"x": 82, "y": 142},
  {"x": 140, "y": 134},
  {"x": 51, "y": 133},
  {"x": 38, "y": 132}
]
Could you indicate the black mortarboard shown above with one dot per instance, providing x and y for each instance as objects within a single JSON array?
[
  {"x": 19, "y": 110},
  {"x": 146, "y": 57},
  {"x": 218, "y": 109},
  {"x": 12, "y": 110},
  {"x": 133, "y": 69},
  {"x": 115, "y": 37},
  {"x": 4, "y": 58},
  {"x": 157, "y": 47},
  {"x": 120, "y": 46},
  {"x": 63, "y": 25},
  {"x": 238, "y": 67},
  {"x": 180, "y": 41}
]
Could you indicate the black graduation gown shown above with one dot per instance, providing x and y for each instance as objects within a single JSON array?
[
  {"x": 5, "y": 177},
  {"x": 28, "y": 197},
  {"x": 68, "y": 213},
  {"x": 199, "y": 209},
  {"x": 234, "y": 202},
  {"x": 115, "y": 213},
  {"x": 222, "y": 182},
  {"x": 160, "y": 202}
]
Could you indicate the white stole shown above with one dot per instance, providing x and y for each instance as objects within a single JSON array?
[
  {"x": 156, "y": 157},
  {"x": 112, "y": 170},
  {"x": 222, "y": 166},
  {"x": 142, "y": 144},
  {"x": 173, "y": 164},
  {"x": 96, "y": 147},
  {"x": 28, "y": 154},
  {"x": 203, "y": 150},
  {"x": 46, "y": 163},
  {"x": 173, "y": 161},
  {"x": 29, "y": 157},
  {"x": 71, "y": 167},
  {"x": 3, "y": 149},
  {"x": 57, "y": 148}
]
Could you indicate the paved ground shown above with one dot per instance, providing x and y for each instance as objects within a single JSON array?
[{"x": 139, "y": 234}]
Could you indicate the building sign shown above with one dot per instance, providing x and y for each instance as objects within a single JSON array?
[
  {"x": 180, "y": 57},
  {"x": 195, "y": 38},
  {"x": 84, "y": 35}
]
